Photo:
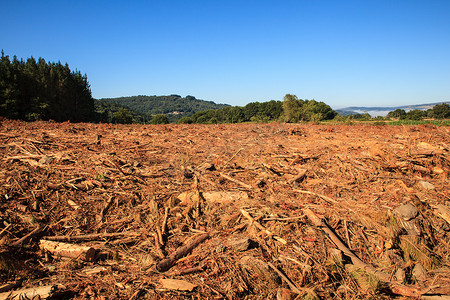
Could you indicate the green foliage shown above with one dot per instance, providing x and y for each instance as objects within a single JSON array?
[
  {"x": 415, "y": 114},
  {"x": 441, "y": 111},
  {"x": 160, "y": 119},
  {"x": 291, "y": 110},
  {"x": 122, "y": 116},
  {"x": 296, "y": 110},
  {"x": 35, "y": 90},
  {"x": 105, "y": 113},
  {"x": 397, "y": 114},
  {"x": 174, "y": 106},
  {"x": 252, "y": 112},
  {"x": 421, "y": 122}
]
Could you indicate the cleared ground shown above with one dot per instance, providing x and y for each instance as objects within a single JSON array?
[{"x": 290, "y": 211}]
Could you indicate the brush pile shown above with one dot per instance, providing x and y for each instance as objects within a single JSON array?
[{"x": 255, "y": 211}]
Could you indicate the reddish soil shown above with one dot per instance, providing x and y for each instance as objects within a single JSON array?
[{"x": 256, "y": 189}]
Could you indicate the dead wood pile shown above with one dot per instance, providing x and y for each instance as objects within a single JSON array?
[{"x": 255, "y": 211}]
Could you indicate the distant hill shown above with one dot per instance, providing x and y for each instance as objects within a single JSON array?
[
  {"x": 383, "y": 110},
  {"x": 105, "y": 111},
  {"x": 174, "y": 106}
]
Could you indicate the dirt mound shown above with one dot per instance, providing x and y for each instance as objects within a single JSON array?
[{"x": 255, "y": 211}]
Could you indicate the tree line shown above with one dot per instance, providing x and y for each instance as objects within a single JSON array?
[
  {"x": 291, "y": 109},
  {"x": 439, "y": 111},
  {"x": 36, "y": 90}
]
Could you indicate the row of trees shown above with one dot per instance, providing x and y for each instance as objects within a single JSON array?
[
  {"x": 291, "y": 109},
  {"x": 36, "y": 90},
  {"x": 439, "y": 111}
]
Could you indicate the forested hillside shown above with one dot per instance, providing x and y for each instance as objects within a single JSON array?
[
  {"x": 36, "y": 90},
  {"x": 291, "y": 109},
  {"x": 174, "y": 106}
]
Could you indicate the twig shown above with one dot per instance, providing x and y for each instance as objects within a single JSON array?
[
  {"x": 233, "y": 157},
  {"x": 249, "y": 187},
  {"x": 34, "y": 146},
  {"x": 106, "y": 208},
  {"x": 318, "y": 195},
  {"x": 187, "y": 271},
  {"x": 160, "y": 237},
  {"x": 5, "y": 230},
  {"x": 346, "y": 234},
  {"x": 159, "y": 250},
  {"x": 164, "y": 223}
]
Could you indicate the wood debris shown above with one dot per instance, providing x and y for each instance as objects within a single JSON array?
[{"x": 238, "y": 211}]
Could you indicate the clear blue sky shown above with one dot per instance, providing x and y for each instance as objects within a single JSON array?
[{"x": 365, "y": 52}]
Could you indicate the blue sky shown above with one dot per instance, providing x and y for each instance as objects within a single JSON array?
[{"x": 366, "y": 52}]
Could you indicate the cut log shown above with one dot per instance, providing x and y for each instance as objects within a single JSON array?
[
  {"x": 85, "y": 253},
  {"x": 442, "y": 211},
  {"x": 41, "y": 292},
  {"x": 176, "y": 284},
  {"x": 240, "y": 243}
]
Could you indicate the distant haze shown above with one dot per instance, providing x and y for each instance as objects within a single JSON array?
[{"x": 375, "y": 111}]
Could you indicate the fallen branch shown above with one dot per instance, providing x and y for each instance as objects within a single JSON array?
[
  {"x": 10, "y": 285},
  {"x": 29, "y": 236},
  {"x": 262, "y": 228},
  {"x": 293, "y": 287},
  {"x": 182, "y": 251},
  {"x": 395, "y": 288},
  {"x": 89, "y": 237}
]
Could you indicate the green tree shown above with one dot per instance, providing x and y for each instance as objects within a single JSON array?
[
  {"x": 160, "y": 119},
  {"x": 291, "y": 108},
  {"x": 441, "y": 111},
  {"x": 122, "y": 116},
  {"x": 415, "y": 114},
  {"x": 31, "y": 90},
  {"x": 397, "y": 114}
]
